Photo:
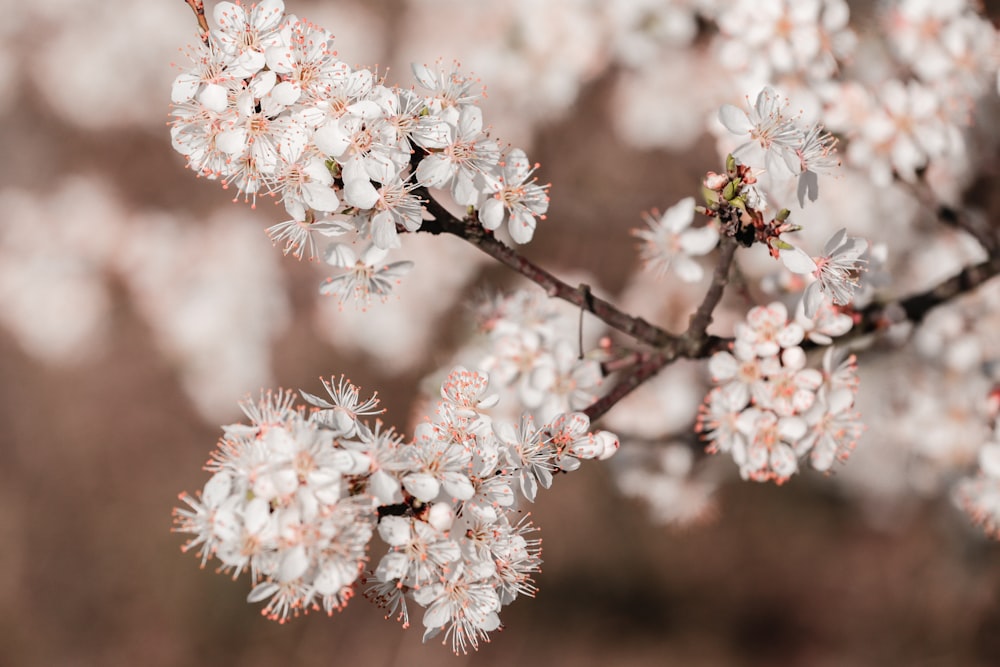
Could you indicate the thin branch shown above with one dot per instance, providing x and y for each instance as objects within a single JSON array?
[
  {"x": 198, "y": 7},
  {"x": 702, "y": 318},
  {"x": 977, "y": 229},
  {"x": 636, "y": 327},
  {"x": 914, "y": 308},
  {"x": 648, "y": 366}
]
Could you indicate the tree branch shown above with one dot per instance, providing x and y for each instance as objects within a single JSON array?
[
  {"x": 649, "y": 365},
  {"x": 702, "y": 318},
  {"x": 914, "y": 308},
  {"x": 198, "y": 7},
  {"x": 636, "y": 327}
]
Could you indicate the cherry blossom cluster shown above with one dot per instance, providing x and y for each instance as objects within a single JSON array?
[
  {"x": 979, "y": 496},
  {"x": 530, "y": 351},
  {"x": 775, "y": 39},
  {"x": 769, "y": 410},
  {"x": 297, "y": 495},
  {"x": 266, "y": 107},
  {"x": 782, "y": 148}
]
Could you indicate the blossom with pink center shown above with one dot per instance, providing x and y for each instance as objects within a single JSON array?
[{"x": 767, "y": 330}]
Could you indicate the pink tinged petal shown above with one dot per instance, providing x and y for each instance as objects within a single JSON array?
[
  {"x": 457, "y": 485},
  {"x": 492, "y": 213},
  {"x": 227, "y": 13},
  {"x": 783, "y": 461},
  {"x": 687, "y": 269},
  {"x": 792, "y": 428},
  {"x": 434, "y": 171},
  {"x": 232, "y": 142},
  {"x": 256, "y": 515},
  {"x": 489, "y": 622},
  {"x": 424, "y": 75},
  {"x": 463, "y": 188},
  {"x": 262, "y": 591},
  {"x": 267, "y": 14},
  {"x": 812, "y": 299},
  {"x": 361, "y": 193},
  {"x": 568, "y": 463},
  {"x": 395, "y": 530},
  {"x": 723, "y": 366},
  {"x": 332, "y": 139},
  {"x": 529, "y": 486},
  {"x": 822, "y": 456},
  {"x": 320, "y": 197},
  {"x": 217, "y": 489},
  {"x": 366, "y": 110},
  {"x": 422, "y": 486},
  {"x": 989, "y": 459},
  {"x": 793, "y": 358},
  {"x": 185, "y": 87},
  {"x": 790, "y": 335},
  {"x": 332, "y": 577},
  {"x": 263, "y": 81},
  {"x": 437, "y": 614},
  {"x": 609, "y": 443},
  {"x": 214, "y": 97},
  {"x": 441, "y": 516},
  {"x": 521, "y": 226},
  {"x": 392, "y": 566},
  {"x": 802, "y": 400},
  {"x": 756, "y": 456},
  {"x": 679, "y": 216},
  {"x": 797, "y": 261},
  {"x": 839, "y": 400},
  {"x": 341, "y": 255},
  {"x": 374, "y": 255},
  {"x": 225, "y": 526},
  {"x": 809, "y": 378},
  {"x": 734, "y": 119},
  {"x": 835, "y": 242},
  {"x": 384, "y": 487},
  {"x": 384, "y": 233},
  {"x": 351, "y": 462},
  {"x": 285, "y": 93},
  {"x": 470, "y": 121},
  {"x": 737, "y": 395},
  {"x": 699, "y": 241},
  {"x": 293, "y": 565},
  {"x": 279, "y": 59}
]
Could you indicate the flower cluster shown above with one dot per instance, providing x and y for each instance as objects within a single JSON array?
[
  {"x": 769, "y": 410},
  {"x": 268, "y": 108},
  {"x": 979, "y": 496},
  {"x": 779, "y": 144},
  {"x": 530, "y": 351},
  {"x": 296, "y": 496}
]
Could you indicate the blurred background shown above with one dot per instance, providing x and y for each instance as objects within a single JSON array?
[{"x": 138, "y": 304}]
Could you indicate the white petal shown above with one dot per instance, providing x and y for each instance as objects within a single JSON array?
[
  {"x": 293, "y": 565},
  {"x": 492, "y": 213},
  {"x": 422, "y": 486},
  {"x": 395, "y": 530},
  {"x": 457, "y": 485},
  {"x": 797, "y": 260},
  {"x": 699, "y": 241},
  {"x": 734, "y": 119}
]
